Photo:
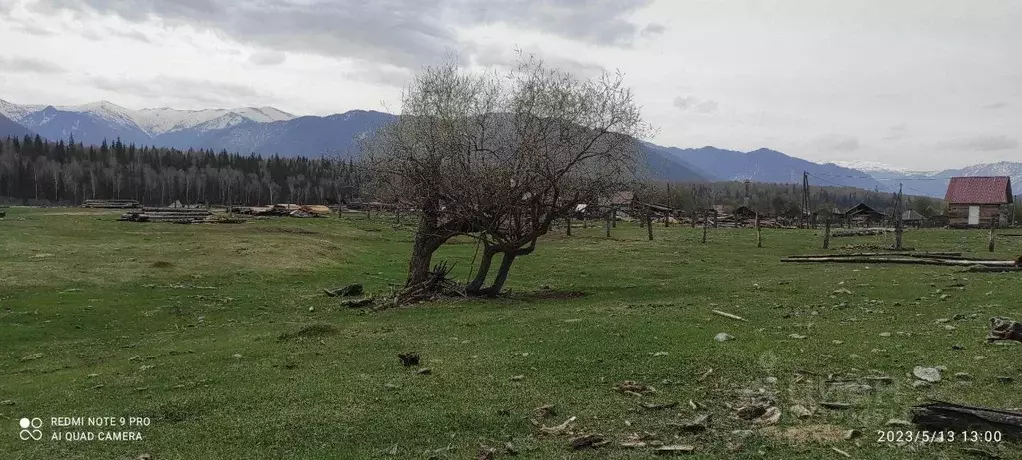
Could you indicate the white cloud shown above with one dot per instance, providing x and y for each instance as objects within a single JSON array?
[{"x": 788, "y": 75}]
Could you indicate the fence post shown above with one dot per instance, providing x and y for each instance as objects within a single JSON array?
[
  {"x": 993, "y": 226},
  {"x": 706, "y": 223},
  {"x": 826, "y": 234},
  {"x": 759, "y": 233}
]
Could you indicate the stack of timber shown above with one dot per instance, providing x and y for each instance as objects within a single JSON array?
[
  {"x": 111, "y": 204},
  {"x": 860, "y": 232},
  {"x": 911, "y": 258},
  {"x": 283, "y": 210},
  {"x": 174, "y": 215}
]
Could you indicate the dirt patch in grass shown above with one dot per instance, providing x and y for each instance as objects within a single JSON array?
[
  {"x": 549, "y": 294},
  {"x": 293, "y": 230},
  {"x": 162, "y": 264},
  {"x": 308, "y": 332}
]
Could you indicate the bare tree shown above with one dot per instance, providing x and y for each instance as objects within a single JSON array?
[{"x": 502, "y": 158}]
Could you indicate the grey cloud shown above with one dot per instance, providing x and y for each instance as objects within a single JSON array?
[
  {"x": 691, "y": 103},
  {"x": 180, "y": 89},
  {"x": 986, "y": 143},
  {"x": 267, "y": 58},
  {"x": 653, "y": 30},
  {"x": 15, "y": 64},
  {"x": 506, "y": 58},
  {"x": 601, "y": 22},
  {"x": 381, "y": 75},
  {"x": 996, "y": 105},
  {"x": 837, "y": 143},
  {"x": 402, "y": 33}
]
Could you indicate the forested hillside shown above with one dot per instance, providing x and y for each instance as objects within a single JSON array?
[{"x": 35, "y": 171}]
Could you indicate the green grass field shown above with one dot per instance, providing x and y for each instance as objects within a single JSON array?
[{"x": 204, "y": 329}]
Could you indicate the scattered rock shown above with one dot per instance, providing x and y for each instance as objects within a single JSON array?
[
  {"x": 144, "y": 457},
  {"x": 391, "y": 386},
  {"x": 7, "y": 402},
  {"x": 409, "y": 359},
  {"x": 697, "y": 424},
  {"x": 424, "y": 371},
  {"x": 929, "y": 374},
  {"x": 235, "y": 356},
  {"x": 770, "y": 380},
  {"x": 842, "y": 291},
  {"x": 751, "y": 412},
  {"x": 743, "y": 433},
  {"x": 838, "y": 342},
  {"x": 660, "y": 353},
  {"x": 957, "y": 347},
  {"x": 963, "y": 376},
  {"x": 346, "y": 291},
  {"x": 517, "y": 378},
  {"x": 796, "y": 336},
  {"x": 589, "y": 440},
  {"x": 921, "y": 384},
  {"x": 548, "y": 410},
  {"x": 800, "y": 411},
  {"x": 1005, "y": 379},
  {"x": 885, "y": 334},
  {"x": 771, "y": 417},
  {"x": 897, "y": 422},
  {"x": 723, "y": 337}
]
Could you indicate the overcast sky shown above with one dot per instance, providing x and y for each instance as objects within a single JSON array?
[{"x": 921, "y": 84}]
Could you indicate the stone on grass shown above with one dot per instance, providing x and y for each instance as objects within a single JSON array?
[
  {"x": 723, "y": 337},
  {"x": 928, "y": 374}
]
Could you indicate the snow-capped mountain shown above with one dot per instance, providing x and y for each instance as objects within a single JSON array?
[
  {"x": 868, "y": 166},
  {"x": 140, "y": 126},
  {"x": 934, "y": 183}
]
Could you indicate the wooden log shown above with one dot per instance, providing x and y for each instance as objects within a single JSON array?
[
  {"x": 943, "y": 416},
  {"x": 985, "y": 269},
  {"x": 940, "y": 255},
  {"x": 903, "y": 260}
]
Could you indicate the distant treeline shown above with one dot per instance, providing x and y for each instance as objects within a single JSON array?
[
  {"x": 36, "y": 171},
  {"x": 783, "y": 199}
]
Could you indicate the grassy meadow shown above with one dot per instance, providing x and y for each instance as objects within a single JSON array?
[{"x": 222, "y": 336}]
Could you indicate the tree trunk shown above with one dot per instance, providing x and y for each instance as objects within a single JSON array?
[
  {"x": 608, "y": 225},
  {"x": 475, "y": 286},
  {"x": 649, "y": 225},
  {"x": 693, "y": 219},
  {"x": 568, "y": 231},
  {"x": 427, "y": 241},
  {"x": 502, "y": 273},
  {"x": 613, "y": 218}
]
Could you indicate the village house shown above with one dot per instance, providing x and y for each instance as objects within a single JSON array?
[{"x": 973, "y": 202}]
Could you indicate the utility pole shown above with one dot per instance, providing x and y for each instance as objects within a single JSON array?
[
  {"x": 897, "y": 222},
  {"x": 805, "y": 198}
]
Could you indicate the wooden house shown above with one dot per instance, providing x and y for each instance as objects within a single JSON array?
[
  {"x": 973, "y": 202},
  {"x": 863, "y": 215},
  {"x": 912, "y": 218}
]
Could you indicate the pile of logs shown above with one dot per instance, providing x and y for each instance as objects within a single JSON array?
[
  {"x": 110, "y": 204},
  {"x": 912, "y": 258},
  {"x": 174, "y": 215},
  {"x": 860, "y": 232}
]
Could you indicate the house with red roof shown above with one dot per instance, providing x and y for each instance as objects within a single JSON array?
[{"x": 974, "y": 202}]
